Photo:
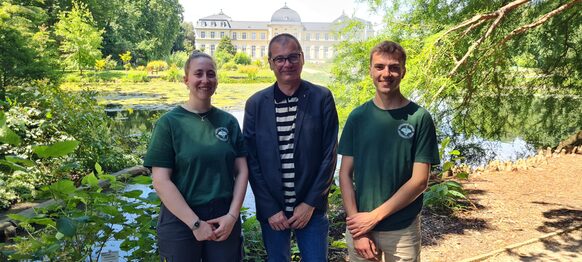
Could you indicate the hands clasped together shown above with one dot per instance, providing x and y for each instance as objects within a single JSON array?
[
  {"x": 217, "y": 229},
  {"x": 360, "y": 225},
  {"x": 301, "y": 216}
]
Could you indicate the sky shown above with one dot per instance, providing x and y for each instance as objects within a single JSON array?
[{"x": 262, "y": 10}]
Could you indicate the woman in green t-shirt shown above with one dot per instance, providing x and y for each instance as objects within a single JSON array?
[{"x": 199, "y": 171}]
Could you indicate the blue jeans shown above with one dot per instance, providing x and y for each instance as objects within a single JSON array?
[{"x": 312, "y": 240}]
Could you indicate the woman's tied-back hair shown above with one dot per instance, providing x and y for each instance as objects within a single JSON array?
[
  {"x": 195, "y": 55},
  {"x": 389, "y": 47}
]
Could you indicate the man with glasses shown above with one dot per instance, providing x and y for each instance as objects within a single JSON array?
[{"x": 290, "y": 129}]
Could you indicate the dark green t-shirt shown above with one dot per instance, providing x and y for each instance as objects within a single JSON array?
[
  {"x": 385, "y": 144},
  {"x": 200, "y": 152}
]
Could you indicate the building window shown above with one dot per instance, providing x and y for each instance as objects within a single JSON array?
[
  {"x": 213, "y": 23},
  {"x": 253, "y": 35},
  {"x": 263, "y": 51},
  {"x": 202, "y": 34},
  {"x": 236, "y": 47},
  {"x": 316, "y": 55},
  {"x": 244, "y": 35},
  {"x": 244, "y": 48},
  {"x": 233, "y": 35},
  {"x": 308, "y": 37},
  {"x": 325, "y": 54},
  {"x": 263, "y": 36},
  {"x": 212, "y": 49},
  {"x": 253, "y": 51},
  {"x": 221, "y": 35},
  {"x": 317, "y": 36},
  {"x": 212, "y": 35},
  {"x": 326, "y": 36}
]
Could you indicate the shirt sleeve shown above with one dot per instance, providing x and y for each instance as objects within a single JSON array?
[
  {"x": 238, "y": 141},
  {"x": 426, "y": 142},
  {"x": 160, "y": 151}
]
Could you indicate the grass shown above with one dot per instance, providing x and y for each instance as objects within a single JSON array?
[{"x": 159, "y": 92}]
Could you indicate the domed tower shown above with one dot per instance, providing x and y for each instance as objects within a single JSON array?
[
  {"x": 285, "y": 20},
  {"x": 285, "y": 15}
]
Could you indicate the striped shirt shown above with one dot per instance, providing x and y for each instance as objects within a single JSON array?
[{"x": 286, "y": 113}]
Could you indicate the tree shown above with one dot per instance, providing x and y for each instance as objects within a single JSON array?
[
  {"x": 81, "y": 40},
  {"x": 242, "y": 59},
  {"x": 462, "y": 55},
  {"x": 185, "y": 41},
  {"x": 226, "y": 45},
  {"x": 25, "y": 48}
]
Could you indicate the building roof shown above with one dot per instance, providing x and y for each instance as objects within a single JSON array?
[
  {"x": 317, "y": 26},
  {"x": 219, "y": 16},
  {"x": 248, "y": 25},
  {"x": 285, "y": 14}
]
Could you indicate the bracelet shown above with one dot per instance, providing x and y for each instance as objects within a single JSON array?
[{"x": 232, "y": 216}]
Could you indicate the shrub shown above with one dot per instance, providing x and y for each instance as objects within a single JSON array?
[
  {"x": 41, "y": 114},
  {"x": 83, "y": 220},
  {"x": 230, "y": 66},
  {"x": 126, "y": 59},
  {"x": 178, "y": 58},
  {"x": 174, "y": 74},
  {"x": 242, "y": 59},
  {"x": 258, "y": 63},
  {"x": 222, "y": 57},
  {"x": 156, "y": 66},
  {"x": 136, "y": 76},
  {"x": 250, "y": 70},
  {"x": 100, "y": 64},
  {"x": 443, "y": 194}
]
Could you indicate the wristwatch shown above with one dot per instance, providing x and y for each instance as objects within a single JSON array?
[{"x": 196, "y": 225}]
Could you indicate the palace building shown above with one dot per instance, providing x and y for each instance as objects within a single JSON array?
[{"x": 252, "y": 37}]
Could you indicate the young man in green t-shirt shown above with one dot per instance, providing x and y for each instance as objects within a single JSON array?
[{"x": 388, "y": 145}]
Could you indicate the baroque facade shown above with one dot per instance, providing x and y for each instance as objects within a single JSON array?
[{"x": 252, "y": 37}]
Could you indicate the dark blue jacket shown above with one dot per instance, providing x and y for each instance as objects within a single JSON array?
[{"x": 315, "y": 142}]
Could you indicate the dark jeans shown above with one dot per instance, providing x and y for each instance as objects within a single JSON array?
[
  {"x": 312, "y": 240},
  {"x": 177, "y": 243}
]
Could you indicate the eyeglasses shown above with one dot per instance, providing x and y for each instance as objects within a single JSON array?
[{"x": 292, "y": 58}]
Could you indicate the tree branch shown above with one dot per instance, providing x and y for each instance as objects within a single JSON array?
[
  {"x": 489, "y": 16},
  {"x": 473, "y": 23},
  {"x": 541, "y": 20}
]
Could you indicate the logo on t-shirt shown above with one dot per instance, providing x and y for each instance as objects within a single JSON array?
[
  {"x": 405, "y": 130},
  {"x": 221, "y": 133}
]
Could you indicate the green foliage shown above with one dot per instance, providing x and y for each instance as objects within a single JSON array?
[
  {"x": 82, "y": 220},
  {"x": 27, "y": 51},
  {"x": 81, "y": 40},
  {"x": 222, "y": 57},
  {"x": 242, "y": 59},
  {"x": 100, "y": 64},
  {"x": 475, "y": 71},
  {"x": 178, "y": 58},
  {"x": 126, "y": 59},
  {"x": 253, "y": 240},
  {"x": 225, "y": 45},
  {"x": 445, "y": 195},
  {"x": 259, "y": 63},
  {"x": 136, "y": 76},
  {"x": 250, "y": 70},
  {"x": 185, "y": 41},
  {"x": 174, "y": 74},
  {"x": 230, "y": 66},
  {"x": 156, "y": 66}
]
